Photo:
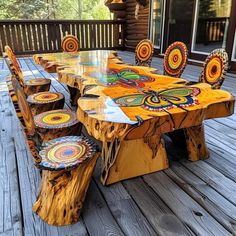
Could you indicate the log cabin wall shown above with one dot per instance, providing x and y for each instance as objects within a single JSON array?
[{"x": 136, "y": 29}]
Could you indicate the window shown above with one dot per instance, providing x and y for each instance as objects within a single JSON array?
[
  {"x": 156, "y": 22},
  {"x": 212, "y": 19}
]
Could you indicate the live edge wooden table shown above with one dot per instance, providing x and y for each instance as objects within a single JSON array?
[{"x": 128, "y": 108}]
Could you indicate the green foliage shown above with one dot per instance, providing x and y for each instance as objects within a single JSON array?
[{"x": 54, "y": 9}]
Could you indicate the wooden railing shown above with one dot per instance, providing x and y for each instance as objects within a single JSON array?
[
  {"x": 38, "y": 36},
  {"x": 211, "y": 30}
]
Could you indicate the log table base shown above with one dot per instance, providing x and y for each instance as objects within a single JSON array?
[
  {"x": 74, "y": 95},
  {"x": 131, "y": 158},
  {"x": 62, "y": 193}
]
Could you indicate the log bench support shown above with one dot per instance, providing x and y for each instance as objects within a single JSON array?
[
  {"x": 131, "y": 158},
  {"x": 62, "y": 193}
]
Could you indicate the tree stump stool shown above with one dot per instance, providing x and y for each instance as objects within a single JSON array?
[
  {"x": 67, "y": 167},
  {"x": 45, "y": 101},
  {"x": 32, "y": 86},
  {"x": 57, "y": 123}
]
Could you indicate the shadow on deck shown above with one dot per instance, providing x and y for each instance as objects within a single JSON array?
[{"x": 187, "y": 199}]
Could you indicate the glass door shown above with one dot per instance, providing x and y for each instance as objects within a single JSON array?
[
  {"x": 156, "y": 22},
  {"x": 211, "y": 25},
  {"x": 179, "y": 21}
]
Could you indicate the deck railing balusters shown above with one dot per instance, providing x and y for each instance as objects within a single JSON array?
[{"x": 40, "y": 36}]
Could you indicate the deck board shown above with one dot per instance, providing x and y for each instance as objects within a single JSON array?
[{"x": 187, "y": 199}]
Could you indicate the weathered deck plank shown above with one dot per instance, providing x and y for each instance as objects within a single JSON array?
[{"x": 187, "y": 199}]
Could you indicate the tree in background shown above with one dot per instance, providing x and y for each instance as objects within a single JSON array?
[{"x": 53, "y": 9}]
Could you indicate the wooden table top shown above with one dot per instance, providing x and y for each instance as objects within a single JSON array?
[{"x": 124, "y": 101}]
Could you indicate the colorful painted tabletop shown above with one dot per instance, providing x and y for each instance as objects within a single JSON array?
[{"x": 115, "y": 94}]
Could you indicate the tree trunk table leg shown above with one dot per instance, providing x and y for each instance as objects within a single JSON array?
[
  {"x": 74, "y": 95},
  {"x": 130, "y": 158},
  {"x": 62, "y": 193},
  {"x": 195, "y": 142}
]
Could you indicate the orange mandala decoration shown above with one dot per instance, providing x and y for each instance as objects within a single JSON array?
[
  {"x": 215, "y": 68},
  {"x": 70, "y": 44},
  {"x": 144, "y": 53},
  {"x": 175, "y": 59},
  {"x": 56, "y": 119},
  {"x": 45, "y": 97},
  {"x": 66, "y": 152},
  {"x": 38, "y": 81}
]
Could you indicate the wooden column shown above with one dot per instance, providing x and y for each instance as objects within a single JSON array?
[{"x": 62, "y": 193}]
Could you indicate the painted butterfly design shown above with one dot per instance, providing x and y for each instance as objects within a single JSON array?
[
  {"x": 161, "y": 100},
  {"x": 126, "y": 78}
]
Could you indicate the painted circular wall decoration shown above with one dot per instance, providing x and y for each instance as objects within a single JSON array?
[
  {"x": 70, "y": 44},
  {"x": 66, "y": 152},
  {"x": 215, "y": 68},
  {"x": 56, "y": 119},
  {"x": 144, "y": 52},
  {"x": 175, "y": 59},
  {"x": 44, "y": 97}
]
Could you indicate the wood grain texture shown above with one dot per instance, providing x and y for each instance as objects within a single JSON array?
[
  {"x": 37, "y": 108},
  {"x": 62, "y": 193},
  {"x": 145, "y": 156},
  {"x": 197, "y": 218}
]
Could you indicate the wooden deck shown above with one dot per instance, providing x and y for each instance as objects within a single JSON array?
[{"x": 187, "y": 199}]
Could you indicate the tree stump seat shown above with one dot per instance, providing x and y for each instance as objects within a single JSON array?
[
  {"x": 57, "y": 123},
  {"x": 32, "y": 86},
  {"x": 67, "y": 165},
  {"x": 45, "y": 101}
]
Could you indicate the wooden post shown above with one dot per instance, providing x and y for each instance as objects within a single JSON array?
[
  {"x": 195, "y": 142},
  {"x": 74, "y": 95},
  {"x": 62, "y": 193}
]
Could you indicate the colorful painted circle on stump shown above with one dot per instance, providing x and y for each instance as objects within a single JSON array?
[
  {"x": 215, "y": 68},
  {"x": 144, "y": 52},
  {"x": 45, "y": 97},
  {"x": 175, "y": 59},
  {"x": 70, "y": 44},
  {"x": 56, "y": 119},
  {"x": 38, "y": 81},
  {"x": 66, "y": 152}
]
